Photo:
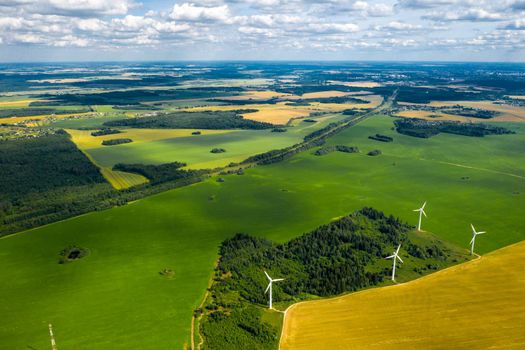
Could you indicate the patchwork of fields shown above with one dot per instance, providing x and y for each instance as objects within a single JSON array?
[
  {"x": 115, "y": 298},
  {"x": 158, "y": 146},
  {"x": 478, "y": 304}
]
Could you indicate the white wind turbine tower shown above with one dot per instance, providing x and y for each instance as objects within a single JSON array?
[
  {"x": 270, "y": 286},
  {"x": 473, "y": 241},
  {"x": 395, "y": 256},
  {"x": 421, "y": 213}
]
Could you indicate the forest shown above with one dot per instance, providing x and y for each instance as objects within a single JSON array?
[
  {"x": 194, "y": 120},
  {"x": 424, "y": 128},
  {"x": 160, "y": 173},
  {"x": 335, "y": 258}
]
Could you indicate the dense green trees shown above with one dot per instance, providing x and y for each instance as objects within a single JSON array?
[
  {"x": 114, "y": 142},
  {"x": 194, "y": 120},
  {"x": 335, "y": 258},
  {"x": 428, "y": 128},
  {"x": 382, "y": 138},
  {"x": 160, "y": 173},
  {"x": 338, "y": 148},
  {"x": 105, "y": 131}
]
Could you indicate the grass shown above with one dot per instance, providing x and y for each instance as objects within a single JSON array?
[
  {"x": 473, "y": 305},
  {"x": 115, "y": 297}
]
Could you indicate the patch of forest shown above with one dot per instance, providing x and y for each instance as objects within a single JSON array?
[
  {"x": 194, "y": 120},
  {"x": 114, "y": 142},
  {"x": 381, "y": 138},
  {"x": 105, "y": 131},
  {"x": 428, "y": 128},
  {"x": 342, "y": 256},
  {"x": 338, "y": 148},
  {"x": 160, "y": 173},
  {"x": 44, "y": 179}
]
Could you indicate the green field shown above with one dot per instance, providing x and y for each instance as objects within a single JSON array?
[
  {"x": 115, "y": 297},
  {"x": 195, "y": 150}
]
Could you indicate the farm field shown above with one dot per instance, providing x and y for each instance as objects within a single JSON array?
[
  {"x": 508, "y": 113},
  {"x": 157, "y": 146},
  {"x": 477, "y": 304},
  {"x": 115, "y": 298},
  {"x": 281, "y": 112}
]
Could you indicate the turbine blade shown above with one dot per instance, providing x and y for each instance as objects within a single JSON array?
[
  {"x": 473, "y": 229},
  {"x": 472, "y": 241},
  {"x": 423, "y": 207},
  {"x": 480, "y": 233},
  {"x": 267, "y": 275},
  {"x": 278, "y": 279},
  {"x": 397, "y": 250},
  {"x": 269, "y": 285},
  {"x": 424, "y": 212},
  {"x": 415, "y": 210},
  {"x": 390, "y": 257},
  {"x": 400, "y": 259}
]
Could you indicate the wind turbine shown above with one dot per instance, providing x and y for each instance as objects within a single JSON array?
[
  {"x": 421, "y": 213},
  {"x": 270, "y": 286},
  {"x": 473, "y": 241},
  {"x": 395, "y": 256}
]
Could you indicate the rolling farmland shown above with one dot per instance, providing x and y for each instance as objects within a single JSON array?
[{"x": 129, "y": 245}]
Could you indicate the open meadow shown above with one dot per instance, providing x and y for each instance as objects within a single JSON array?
[
  {"x": 478, "y": 304},
  {"x": 116, "y": 298}
]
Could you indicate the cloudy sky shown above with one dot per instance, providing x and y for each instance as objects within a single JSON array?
[{"x": 73, "y": 30}]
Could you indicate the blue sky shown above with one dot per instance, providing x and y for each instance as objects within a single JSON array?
[{"x": 435, "y": 30}]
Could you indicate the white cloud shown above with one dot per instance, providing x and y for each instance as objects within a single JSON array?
[
  {"x": 474, "y": 15},
  {"x": 190, "y": 12},
  {"x": 329, "y": 28}
]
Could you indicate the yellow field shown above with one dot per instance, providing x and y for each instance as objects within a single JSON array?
[
  {"x": 517, "y": 97},
  {"x": 84, "y": 140},
  {"x": 476, "y": 305},
  {"x": 281, "y": 113},
  {"x": 16, "y": 103},
  {"x": 121, "y": 180}
]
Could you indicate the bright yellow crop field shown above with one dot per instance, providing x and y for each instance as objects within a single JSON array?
[{"x": 476, "y": 305}]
